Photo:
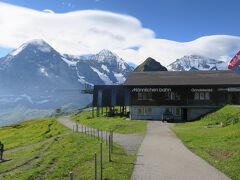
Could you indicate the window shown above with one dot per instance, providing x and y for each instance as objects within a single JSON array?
[
  {"x": 144, "y": 96},
  {"x": 148, "y": 110},
  {"x": 140, "y": 111},
  {"x": 173, "y": 96},
  {"x": 178, "y": 112},
  {"x": 144, "y": 111},
  {"x": 168, "y": 109},
  {"x": 207, "y": 95},
  {"x": 202, "y": 96},
  {"x": 196, "y": 95}
]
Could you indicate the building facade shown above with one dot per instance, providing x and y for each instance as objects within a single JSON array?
[{"x": 186, "y": 95}]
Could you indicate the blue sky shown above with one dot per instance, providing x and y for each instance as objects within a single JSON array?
[
  {"x": 176, "y": 20},
  {"x": 180, "y": 20}
]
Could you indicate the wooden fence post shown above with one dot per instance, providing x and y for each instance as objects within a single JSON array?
[
  {"x": 101, "y": 161},
  {"x": 76, "y": 127},
  {"x": 71, "y": 176},
  {"x": 106, "y": 139},
  {"x": 95, "y": 166},
  {"x": 109, "y": 148},
  {"x": 112, "y": 142}
]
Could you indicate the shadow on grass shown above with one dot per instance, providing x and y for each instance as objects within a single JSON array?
[
  {"x": 119, "y": 162},
  {"x": 5, "y": 160}
]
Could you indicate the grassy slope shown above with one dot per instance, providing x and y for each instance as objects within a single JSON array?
[
  {"x": 117, "y": 124},
  {"x": 55, "y": 158},
  {"x": 220, "y": 146},
  {"x": 30, "y": 132}
]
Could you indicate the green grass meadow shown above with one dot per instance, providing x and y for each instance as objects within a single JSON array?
[
  {"x": 30, "y": 132},
  {"x": 117, "y": 124},
  {"x": 63, "y": 152},
  {"x": 215, "y": 138}
]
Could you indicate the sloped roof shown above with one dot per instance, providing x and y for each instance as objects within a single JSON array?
[{"x": 171, "y": 78}]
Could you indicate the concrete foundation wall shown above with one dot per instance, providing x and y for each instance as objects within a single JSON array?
[
  {"x": 157, "y": 111},
  {"x": 194, "y": 113},
  {"x": 155, "y": 115}
]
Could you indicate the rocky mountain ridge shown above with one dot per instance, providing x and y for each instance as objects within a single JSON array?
[{"x": 37, "y": 76}]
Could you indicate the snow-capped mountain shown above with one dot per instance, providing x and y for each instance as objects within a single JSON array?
[
  {"x": 109, "y": 67},
  {"x": 104, "y": 67},
  {"x": 38, "y": 76},
  {"x": 196, "y": 62}
]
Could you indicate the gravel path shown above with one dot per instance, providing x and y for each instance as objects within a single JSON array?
[
  {"x": 130, "y": 142},
  {"x": 163, "y": 156}
]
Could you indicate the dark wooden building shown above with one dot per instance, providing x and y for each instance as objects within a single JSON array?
[{"x": 187, "y": 95}]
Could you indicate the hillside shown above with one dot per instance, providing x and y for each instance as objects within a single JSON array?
[
  {"x": 215, "y": 138},
  {"x": 150, "y": 64},
  {"x": 119, "y": 124},
  {"x": 45, "y": 149}
]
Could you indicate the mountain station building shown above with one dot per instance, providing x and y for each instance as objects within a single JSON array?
[{"x": 186, "y": 94}]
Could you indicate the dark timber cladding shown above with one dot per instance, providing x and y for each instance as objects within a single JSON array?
[
  {"x": 110, "y": 96},
  {"x": 173, "y": 95}
]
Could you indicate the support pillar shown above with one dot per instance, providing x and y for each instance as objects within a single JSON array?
[
  {"x": 92, "y": 112},
  {"x": 97, "y": 111}
]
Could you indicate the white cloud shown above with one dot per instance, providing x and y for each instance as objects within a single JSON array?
[
  {"x": 166, "y": 51},
  {"x": 89, "y": 31},
  {"x": 48, "y": 11}
]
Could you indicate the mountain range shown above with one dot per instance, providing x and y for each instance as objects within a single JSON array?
[
  {"x": 196, "y": 62},
  {"x": 37, "y": 76}
]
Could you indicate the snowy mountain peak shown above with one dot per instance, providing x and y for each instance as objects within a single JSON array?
[
  {"x": 106, "y": 52},
  {"x": 196, "y": 62},
  {"x": 104, "y": 67},
  {"x": 36, "y": 44},
  {"x": 106, "y": 55}
]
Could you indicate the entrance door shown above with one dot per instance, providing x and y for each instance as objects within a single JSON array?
[
  {"x": 234, "y": 98},
  {"x": 184, "y": 114}
]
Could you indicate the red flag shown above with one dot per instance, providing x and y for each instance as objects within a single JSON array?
[{"x": 235, "y": 61}]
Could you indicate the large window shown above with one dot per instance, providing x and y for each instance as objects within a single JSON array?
[
  {"x": 178, "y": 112},
  {"x": 140, "y": 111},
  {"x": 144, "y": 96},
  {"x": 148, "y": 111},
  {"x": 202, "y": 96},
  {"x": 144, "y": 111}
]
